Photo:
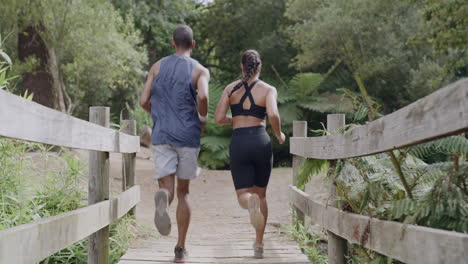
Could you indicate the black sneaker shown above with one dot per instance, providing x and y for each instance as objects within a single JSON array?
[{"x": 181, "y": 255}]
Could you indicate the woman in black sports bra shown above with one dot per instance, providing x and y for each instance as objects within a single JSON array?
[{"x": 251, "y": 100}]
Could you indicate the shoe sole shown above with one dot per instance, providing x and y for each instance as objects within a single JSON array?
[
  {"x": 162, "y": 220},
  {"x": 256, "y": 217},
  {"x": 258, "y": 252}
]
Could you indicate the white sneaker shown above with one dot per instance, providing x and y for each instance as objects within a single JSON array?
[
  {"x": 256, "y": 217},
  {"x": 161, "y": 216},
  {"x": 258, "y": 251}
]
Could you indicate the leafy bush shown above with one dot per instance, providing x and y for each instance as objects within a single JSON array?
[
  {"x": 308, "y": 242},
  {"x": 214, "y": 153},
  {"x": 25, "y": 196},
  {"x": 369, "y": 185}
]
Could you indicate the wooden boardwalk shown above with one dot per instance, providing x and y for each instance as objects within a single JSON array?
[
  {"x": 219, "y": 230},
  {"x": 237, "y": 249}
]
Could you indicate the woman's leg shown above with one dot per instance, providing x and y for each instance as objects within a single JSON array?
[
  {"x": 243, "y": 196},
  {"x": 261, "y": 192}
]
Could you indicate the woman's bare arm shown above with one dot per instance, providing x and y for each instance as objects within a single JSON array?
[
  {"x": 273, "y": 115},
  {"x": 222, "y": 109}
]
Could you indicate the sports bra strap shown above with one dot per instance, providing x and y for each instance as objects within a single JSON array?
[{"x": 247, "y": 87}]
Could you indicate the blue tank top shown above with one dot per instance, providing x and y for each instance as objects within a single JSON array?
[{"x": 174, "y": 104}]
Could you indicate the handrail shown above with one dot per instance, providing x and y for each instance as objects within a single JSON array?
[
  {"x": 27, "y": 120},
  {"x": 442, "y": 113},
  {"x": 32, "y": 242},
  {"x": 406, "y": 243}
]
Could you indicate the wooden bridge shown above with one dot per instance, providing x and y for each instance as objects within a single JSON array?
[{"x": 442, "y": 113}]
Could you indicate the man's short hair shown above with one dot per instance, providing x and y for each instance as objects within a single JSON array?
[{"x": 183, "y": 37}]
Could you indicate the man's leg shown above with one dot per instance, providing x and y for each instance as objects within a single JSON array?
[
  {"x": 168, "y": 183},
  {"x": 162, "y": 199},
  {"x": 183, "y": 212}
]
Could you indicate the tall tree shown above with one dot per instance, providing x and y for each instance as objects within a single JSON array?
[
  {"x": 158, "y": 19},
  {"x": 229, "y": 27},
  {"x": 375, "y": 42},
  {"x": 90, "y": 50}
]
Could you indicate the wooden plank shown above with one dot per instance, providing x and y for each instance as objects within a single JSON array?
[
  {"x": 337, "y": 247},
  {"x": 128, "y": 160},
  {"x": 218, "y": 261},
  {"x": 299, "y": 130},
  {"x": 246, "y": 259},
  {"x": 98, "y": 189},
  {"x": 31, "y": 243},
  {"x": 406, "y": 243},
  {"x": 26, "y": 120},
  {"x": 194, "y": 254},
  {"x": 444, "y": 112},
  {"x": 210, "y": 249}
]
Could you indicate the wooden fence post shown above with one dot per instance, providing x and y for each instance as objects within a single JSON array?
[
  {"x": 336, "y": 244},
  {"x": 299, "y": 130},
  {"x": 128, "y": 160},
  {"x": 98, "y": 189}
]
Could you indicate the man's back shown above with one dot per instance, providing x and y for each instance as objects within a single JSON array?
[
  {"x": 176, "y": 96},
  {"x": 174, "y": 103}
]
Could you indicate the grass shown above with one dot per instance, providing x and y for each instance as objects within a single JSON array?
[
  {"x": 308, "y": 242},
  {"x": 36, "y": 183}
]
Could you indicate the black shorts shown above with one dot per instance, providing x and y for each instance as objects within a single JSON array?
[{"x": 251, "y": 157}]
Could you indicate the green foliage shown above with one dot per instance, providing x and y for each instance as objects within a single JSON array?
[
  {"x": 14, "y": 191},
  {"x": 25, "y": 196},
  {"x": 61, "y": 190},
  {"x": 228, "y": 27},
  {"x": 359, "y": 111},
  {"x": 309, "y": 168},
  {"x": 5, "y": 66},
  {"x": 373, "y": 40},
  {"x": 447, "y": 22},
  {"x": 301, "y": 99},
  {"x": 369, "y": 185},
  {"x": 215, "y": 141},
  {"x": 453, "y": 144},
  {"x": 156, "y": 20},
  {"x": 98, "y": 53},
  {"x": 308, "y": 242},
  {"x": 121, "y": 233},
  {"x": 142, "y": 118}
]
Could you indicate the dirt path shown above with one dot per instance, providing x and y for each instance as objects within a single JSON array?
[{"x": 219, "y": 231}]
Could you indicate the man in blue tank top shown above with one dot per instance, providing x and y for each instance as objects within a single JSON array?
[{"x": 176, "y": 96}]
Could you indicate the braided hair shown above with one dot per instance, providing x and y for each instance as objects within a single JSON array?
[{"x": 251, "y": 61}]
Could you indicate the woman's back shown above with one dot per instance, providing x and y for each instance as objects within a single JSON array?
[{"x": 240, "y": 100}]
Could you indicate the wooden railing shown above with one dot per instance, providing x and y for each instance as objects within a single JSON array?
[
  {"x": 443, "y": 113},
  {"x": 32, "y": 242}
]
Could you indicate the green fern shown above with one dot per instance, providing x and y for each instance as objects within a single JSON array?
[
  {"x": 215, "y": 143},
  {"x": 214, "y": 152},
  {"x": 304, "y": 84},
  {"x": 453, "y": 144},
  {"x": 309, "y": 168}
]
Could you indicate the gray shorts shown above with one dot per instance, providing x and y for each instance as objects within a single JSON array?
[{"x": 181, "y": 161}]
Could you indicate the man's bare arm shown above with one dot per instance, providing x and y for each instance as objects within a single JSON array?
[
  {"x": 146, "y": 93},
  {"x": 203, "y": 95}
]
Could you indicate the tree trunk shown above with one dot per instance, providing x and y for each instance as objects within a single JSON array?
[
  {"x": 39, "y": 81},
  {"x": 57, "y": 82},
  {"x": 45, "y": 81}
]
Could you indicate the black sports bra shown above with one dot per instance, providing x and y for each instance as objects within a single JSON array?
[{"x": 255, "y": 110}]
